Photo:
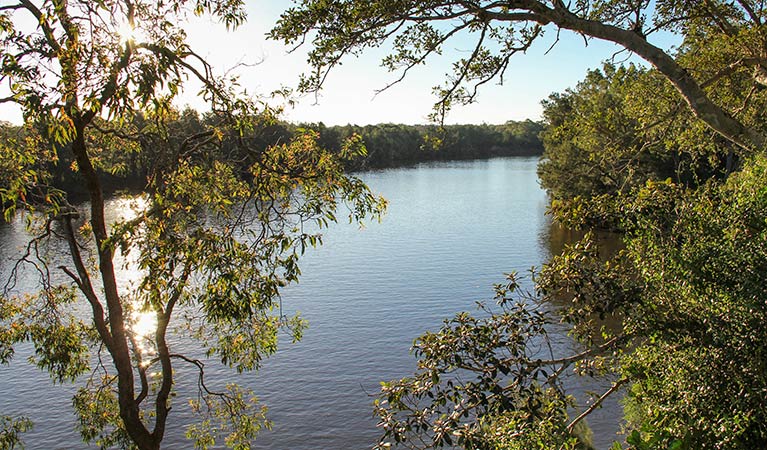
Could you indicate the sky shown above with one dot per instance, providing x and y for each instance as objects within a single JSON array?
[{"x": 349, "y": 95}]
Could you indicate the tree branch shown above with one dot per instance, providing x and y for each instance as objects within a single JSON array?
[
  {"x": 141, "y": 367},
  {"x": 423, "y": 57},
  {"x": 11, "y": 7},
  {"x": 617, "y": 385},
  {"x": 750, "y": 11},
  {"x": 50, "y": 38},
  {"x": 83, "y": 282},
  {"x": 163, "y": 353},
  {"x": 702, "y": 106}
]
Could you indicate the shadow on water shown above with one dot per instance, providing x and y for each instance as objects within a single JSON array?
[
  {"x": 605, "y": 421},
  {"x": 555, "y": 237}
]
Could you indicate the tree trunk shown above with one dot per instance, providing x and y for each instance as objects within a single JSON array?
[
  {"x": 120, "y": 351},
  {"x": 702, "y": 106}
]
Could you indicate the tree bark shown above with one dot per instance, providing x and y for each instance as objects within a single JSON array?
[
  {"x": 696, "y": 98},
  {"x": 120, "y": 351}
]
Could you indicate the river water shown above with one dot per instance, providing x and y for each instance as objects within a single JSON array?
[{"x": 451, "y": 232}]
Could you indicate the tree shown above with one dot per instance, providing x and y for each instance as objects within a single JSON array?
[
  {"x": 623, "y": 126},
  {"x": 688, "y": 290},
  {"x": 688, "y": 286},
  {"x": 390, "y": 145},
  {"x": 619, "y": 128},
  {"x": 698, "y": 371},
  {"x": 501, "y": 29},
  {"x": 488, "y": 381},
  {"x": 498, "y": 379},
  {"x": 216, "y": 234}
]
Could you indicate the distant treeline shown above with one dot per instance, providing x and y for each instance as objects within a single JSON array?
[
  {"x": 390, "y": 145},
  {"x": 130, "y": 152}
]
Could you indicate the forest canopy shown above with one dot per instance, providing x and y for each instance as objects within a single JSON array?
[{"x": 385, "y": 145}]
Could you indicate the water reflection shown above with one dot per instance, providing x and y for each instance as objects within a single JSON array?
[
  {"x": 555, "y": 237},
  {"x": 605, "y": 422},
  {"x": 143, "y": 321}
]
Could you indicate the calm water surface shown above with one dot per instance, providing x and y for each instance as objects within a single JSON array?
[{"x": 452, "y": 230}]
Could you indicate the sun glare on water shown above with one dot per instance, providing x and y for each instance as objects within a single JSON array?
[
  {"x": 144, "y": 325},
  {"x": 143, "y": 321}
]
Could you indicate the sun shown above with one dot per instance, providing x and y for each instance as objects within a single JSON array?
[{"x": 129, "y": 33}]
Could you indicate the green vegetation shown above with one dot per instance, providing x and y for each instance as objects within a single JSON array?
[
  {"x": 600, "y": 138},
  {"x": 390, "y": 145},
  {"x": 216, "y": 234},
  {"x": 128, "y": 162},
  {"x": 673, "y": 156},
  {"x": 699, "y": 373},
  {"x": 11, "y": 429}
]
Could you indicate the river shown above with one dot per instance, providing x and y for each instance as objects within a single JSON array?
[{"x": 452, "y": 230}]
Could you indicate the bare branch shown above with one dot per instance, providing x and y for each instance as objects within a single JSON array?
[
  {"x": 617, "y": 385},
  {"x": 11, "y": 7},
  {"x": 115, "y": 132},
  {"x": 612, "y": 343},
  {"x": 750, "y": 11}
]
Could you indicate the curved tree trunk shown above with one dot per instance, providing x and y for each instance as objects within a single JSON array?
[
  {"x": 702, "y": 106},
  {"x": 706, "y": 110},
  {"x": 119, "y": 348}
]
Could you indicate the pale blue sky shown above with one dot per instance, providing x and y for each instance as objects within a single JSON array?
[{"x": 349, "y": 93}]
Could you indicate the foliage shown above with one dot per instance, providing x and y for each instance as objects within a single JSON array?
[
  {"x": 238, "y": 433},
  {"x": 689, "y": 291},
  {"x": 693, "y": 242},
  {"x": 622, "y": 127},
  {"x": 393, "y": 145},
  {"x": 599, "y": 140},
  {"x": 24, "y": 169},
  {"x": 10, "y": 430},
  {"x": 125, "y": 162},
  {"x": 487, "y": 381},
  {"x": 543, "y": 429},
  {"x": 225, "y": 215},
  {"x": 686, "y": 391},
  {"x": 700, "y": 375}
]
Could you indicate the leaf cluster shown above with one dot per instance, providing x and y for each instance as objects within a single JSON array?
[
  {"x": 484, "y": 381},
  {"x": 700, "y": 377},
  {"x": 11, "y": 429}
]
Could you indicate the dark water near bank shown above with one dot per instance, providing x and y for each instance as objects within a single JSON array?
[{"x": 452, "y": 230}]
